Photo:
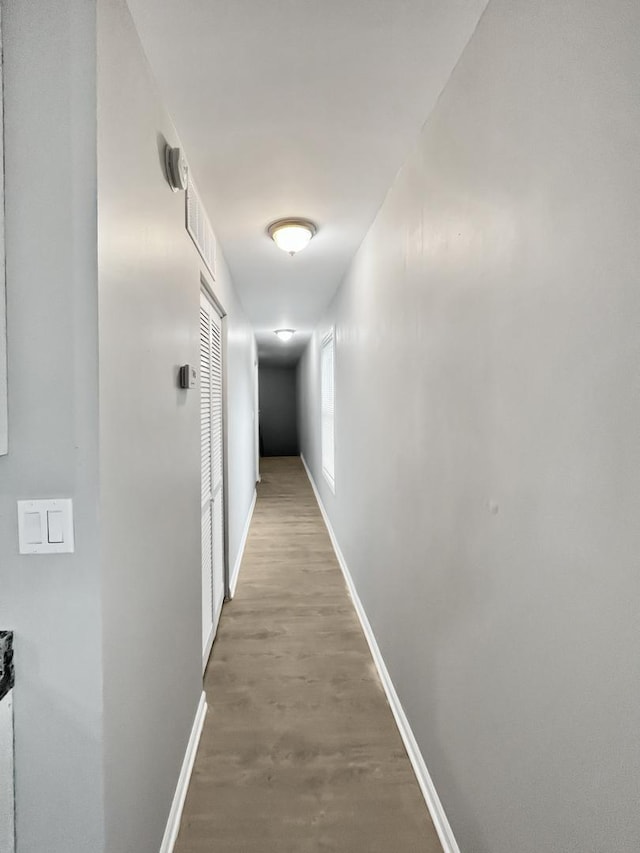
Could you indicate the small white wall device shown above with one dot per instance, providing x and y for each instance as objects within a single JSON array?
[
  {"x": 177, "y": 168},
  {"x": 188, "y": 376}
]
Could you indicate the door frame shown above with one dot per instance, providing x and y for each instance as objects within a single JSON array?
[
  {"x": 206, "y": 287},
  {"x": 256, "y": 411}
]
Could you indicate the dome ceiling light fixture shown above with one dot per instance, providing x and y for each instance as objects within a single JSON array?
[
  {"x": 285, "y": 334},
  {"x": 291, "y": 235}
]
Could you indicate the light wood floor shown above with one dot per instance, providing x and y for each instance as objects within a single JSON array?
[{"x": 300, "y": 752}]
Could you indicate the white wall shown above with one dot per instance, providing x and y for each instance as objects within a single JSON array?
[
  {"x": 487, "y": 421},
  {"x": 53, "y": 602},
  {"x": 149, "y": 283},
  {"x": 241, "y": 414},
  {"x": 4, "y": 414}
]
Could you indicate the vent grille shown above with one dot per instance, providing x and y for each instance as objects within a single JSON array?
[{"x": 199, "y": 228}]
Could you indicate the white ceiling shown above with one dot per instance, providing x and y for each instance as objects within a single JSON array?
[{"x": 298, "y": 108}]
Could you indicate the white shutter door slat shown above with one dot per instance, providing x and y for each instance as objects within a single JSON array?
[
  {"x": 218, "y": 552},
  {"x": 207, "y": 577},
  {"x": 205, "y": 472},
  {"x": 216, "y": 400},
  {"x": 211, "y": 425},
  {"x": 205, "y": 404}
]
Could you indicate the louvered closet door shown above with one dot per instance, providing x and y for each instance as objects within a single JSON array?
[{"x": 212, "y": 470}]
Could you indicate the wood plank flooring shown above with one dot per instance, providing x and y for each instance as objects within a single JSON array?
[{"x": 300, "y": 752}]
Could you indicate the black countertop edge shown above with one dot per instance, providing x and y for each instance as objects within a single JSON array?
[{"x": 6, "y": 663}]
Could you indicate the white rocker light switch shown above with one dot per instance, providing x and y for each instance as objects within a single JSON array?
[
  {"x": 55, "y": 526},
  {"x": 33, "y": 528}
]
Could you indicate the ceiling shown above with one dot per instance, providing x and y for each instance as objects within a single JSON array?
[{"x": 298, "y": 108}]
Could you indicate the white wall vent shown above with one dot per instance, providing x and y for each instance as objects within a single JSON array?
[{"x": 199, "y": 228}]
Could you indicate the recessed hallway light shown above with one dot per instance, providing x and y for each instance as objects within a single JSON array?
[
  {"x": 292, "y": 235},
  {"x": 285, "y": 334}
]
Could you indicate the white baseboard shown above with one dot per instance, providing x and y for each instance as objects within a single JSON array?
[
  {"x": 233, "y": 580},
  {"x": 173, "y": 823},
  {"x": 436, "y": 810}
]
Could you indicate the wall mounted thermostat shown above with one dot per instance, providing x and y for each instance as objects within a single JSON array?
[
  {"x": 177, "y": 168},
  {"x": 188, "y": 376}
]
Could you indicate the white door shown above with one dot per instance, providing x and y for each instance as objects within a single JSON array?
[
  {"x": 256, "y": 416},
  {"x": 212, "y": 471}
]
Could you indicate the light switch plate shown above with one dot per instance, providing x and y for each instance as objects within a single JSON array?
[{"x": 46, "y": 526}]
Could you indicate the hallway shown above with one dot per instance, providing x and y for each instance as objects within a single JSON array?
[{"x": 299, "y": 751}]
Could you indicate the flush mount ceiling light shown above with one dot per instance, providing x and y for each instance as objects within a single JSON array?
[
  {"x": 291, "y": 235},
  {"x": 285, "y": 334}
]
